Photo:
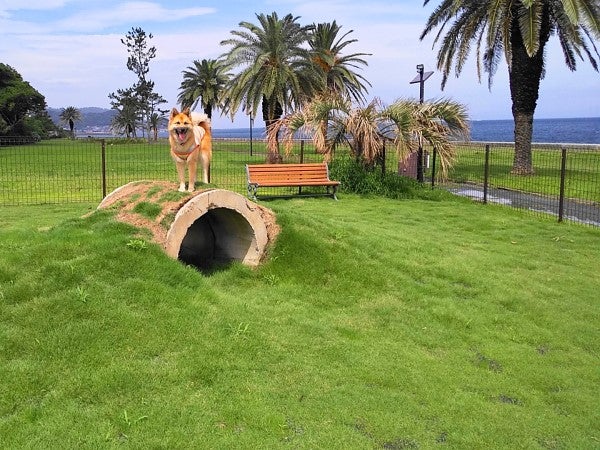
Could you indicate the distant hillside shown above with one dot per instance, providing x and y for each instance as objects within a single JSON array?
[{"x": 91, "y": 118}]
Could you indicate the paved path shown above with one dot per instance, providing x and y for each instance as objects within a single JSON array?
[{"x": 573, "y": 210}]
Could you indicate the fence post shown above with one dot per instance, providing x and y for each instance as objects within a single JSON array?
[
  {"x": 433, "y": 169},
  {"x": 301, "y": 161},
  {"x": 563, "y": 172},
  {"x": 486, "y": 173},
  {"x": 103, "y": 168},
  {"x": 383, "y": 156}
]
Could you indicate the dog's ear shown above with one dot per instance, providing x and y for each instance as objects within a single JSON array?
[
  {"x": 174, "y": 112},
  {"x": 186, "y": 111}
]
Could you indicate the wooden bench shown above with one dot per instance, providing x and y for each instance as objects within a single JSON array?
[{"x": 289, "y": 175}]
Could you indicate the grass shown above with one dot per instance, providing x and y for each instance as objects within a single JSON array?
[{"x": 374, "y": 323}]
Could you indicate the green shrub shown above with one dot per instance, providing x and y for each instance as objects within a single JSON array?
[{"x": 357, "y": 179}]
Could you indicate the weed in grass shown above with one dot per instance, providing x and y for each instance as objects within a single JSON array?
[
  {"x": 240, "y": 331},
  {"x": 137, "y": 244},
  {"x": 271, "y": 279},
  {"x": 81, "y": 294}
]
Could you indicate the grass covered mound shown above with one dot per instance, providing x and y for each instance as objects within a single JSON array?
[{"x": 375, "y": 323}]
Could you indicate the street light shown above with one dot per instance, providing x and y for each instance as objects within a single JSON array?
[{"x": 421, "y": 77}]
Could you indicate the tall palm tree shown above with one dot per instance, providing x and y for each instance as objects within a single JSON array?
[
  {"x": 338, "y": 69},
  {"x": 204, "y": 82},
  {"x": 276, "y": 72},
  {"x": 366, "y": 128},
  {"x": 69, "y": 116},
  {"x": 519, "y": 31}
]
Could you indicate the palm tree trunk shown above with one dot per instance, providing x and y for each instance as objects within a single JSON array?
[
  {"x": 523, "y": 163},
  {"x": 525, "y": 73},
  {"x": 271, "y": 112},
  {"x": 524, "y": 77}
]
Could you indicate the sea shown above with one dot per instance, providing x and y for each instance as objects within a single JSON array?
[
  {"x": 557, "y": 131},
  {"x": 573, "y": 130}
]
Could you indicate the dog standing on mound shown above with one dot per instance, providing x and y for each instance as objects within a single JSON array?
[{"x": 191, "y": 142}]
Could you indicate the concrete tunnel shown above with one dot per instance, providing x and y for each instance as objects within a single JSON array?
[{"x": 206, "y": 229}]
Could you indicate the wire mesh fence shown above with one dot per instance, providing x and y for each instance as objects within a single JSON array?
[
  {"x": 566, "y": 181},
  {"x": 85, "y": 170}
]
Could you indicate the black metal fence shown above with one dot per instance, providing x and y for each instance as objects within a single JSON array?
[{"x": 566, "y": 182}]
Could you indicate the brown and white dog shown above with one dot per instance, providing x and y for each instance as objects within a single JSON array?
[{"x": 191, "y": 142}]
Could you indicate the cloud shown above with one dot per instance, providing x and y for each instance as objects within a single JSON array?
[
  {"x": 101, "y": 19},
  {"x": 11, "y": 5}
]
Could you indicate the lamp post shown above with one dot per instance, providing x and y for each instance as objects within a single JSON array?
[{"x": 421, "y": 77}]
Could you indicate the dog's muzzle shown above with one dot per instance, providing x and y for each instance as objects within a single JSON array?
[{"x": 181, "y": 133}]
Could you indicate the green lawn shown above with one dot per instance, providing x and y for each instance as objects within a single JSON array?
[{"x": 374, "y": 324}]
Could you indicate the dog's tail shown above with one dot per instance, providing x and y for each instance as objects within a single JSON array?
[
  {"x": 201, "y": 127},
  {"x": 199, "y": 118}
]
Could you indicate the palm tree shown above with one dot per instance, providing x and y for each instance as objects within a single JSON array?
[
  {"x": 519, "y": 31},
  {"x": 366, "y": 128},
  {"x": 276, "y": 69},
  {"x": 69, "y": 116},
  {"x": 127, "y": 106},
  {"x": 156, "y": 120},
  {"x": 127, "y": 117},
  {"x": 338, "y": 69},
  {"x": 203, "y": 83}
]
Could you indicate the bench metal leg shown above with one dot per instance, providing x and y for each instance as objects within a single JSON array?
[{"x": 252, "y": 192}]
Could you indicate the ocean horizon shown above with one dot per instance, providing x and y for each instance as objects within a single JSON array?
[
  {"x": 584, "y": 130},
  {"x": 548, "y": 131}
]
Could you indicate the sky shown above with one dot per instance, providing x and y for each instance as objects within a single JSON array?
[{"x": 71, "y": 51}]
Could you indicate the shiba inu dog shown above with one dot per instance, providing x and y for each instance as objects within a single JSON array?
[{"x": 191, "y": 142}]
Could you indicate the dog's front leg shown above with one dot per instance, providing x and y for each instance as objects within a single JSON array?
[
  {"x": 180, "y": 164},
  {"x": 205, "y": 165},
  {"x": 192, "y": 167}
]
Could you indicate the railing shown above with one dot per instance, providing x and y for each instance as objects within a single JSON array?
[{"x": 566, "y": 182}]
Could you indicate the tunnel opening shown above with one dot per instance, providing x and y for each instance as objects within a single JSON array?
[
  {"x": 216, "y": 239},
  {"x": 206, "y": 229}
]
